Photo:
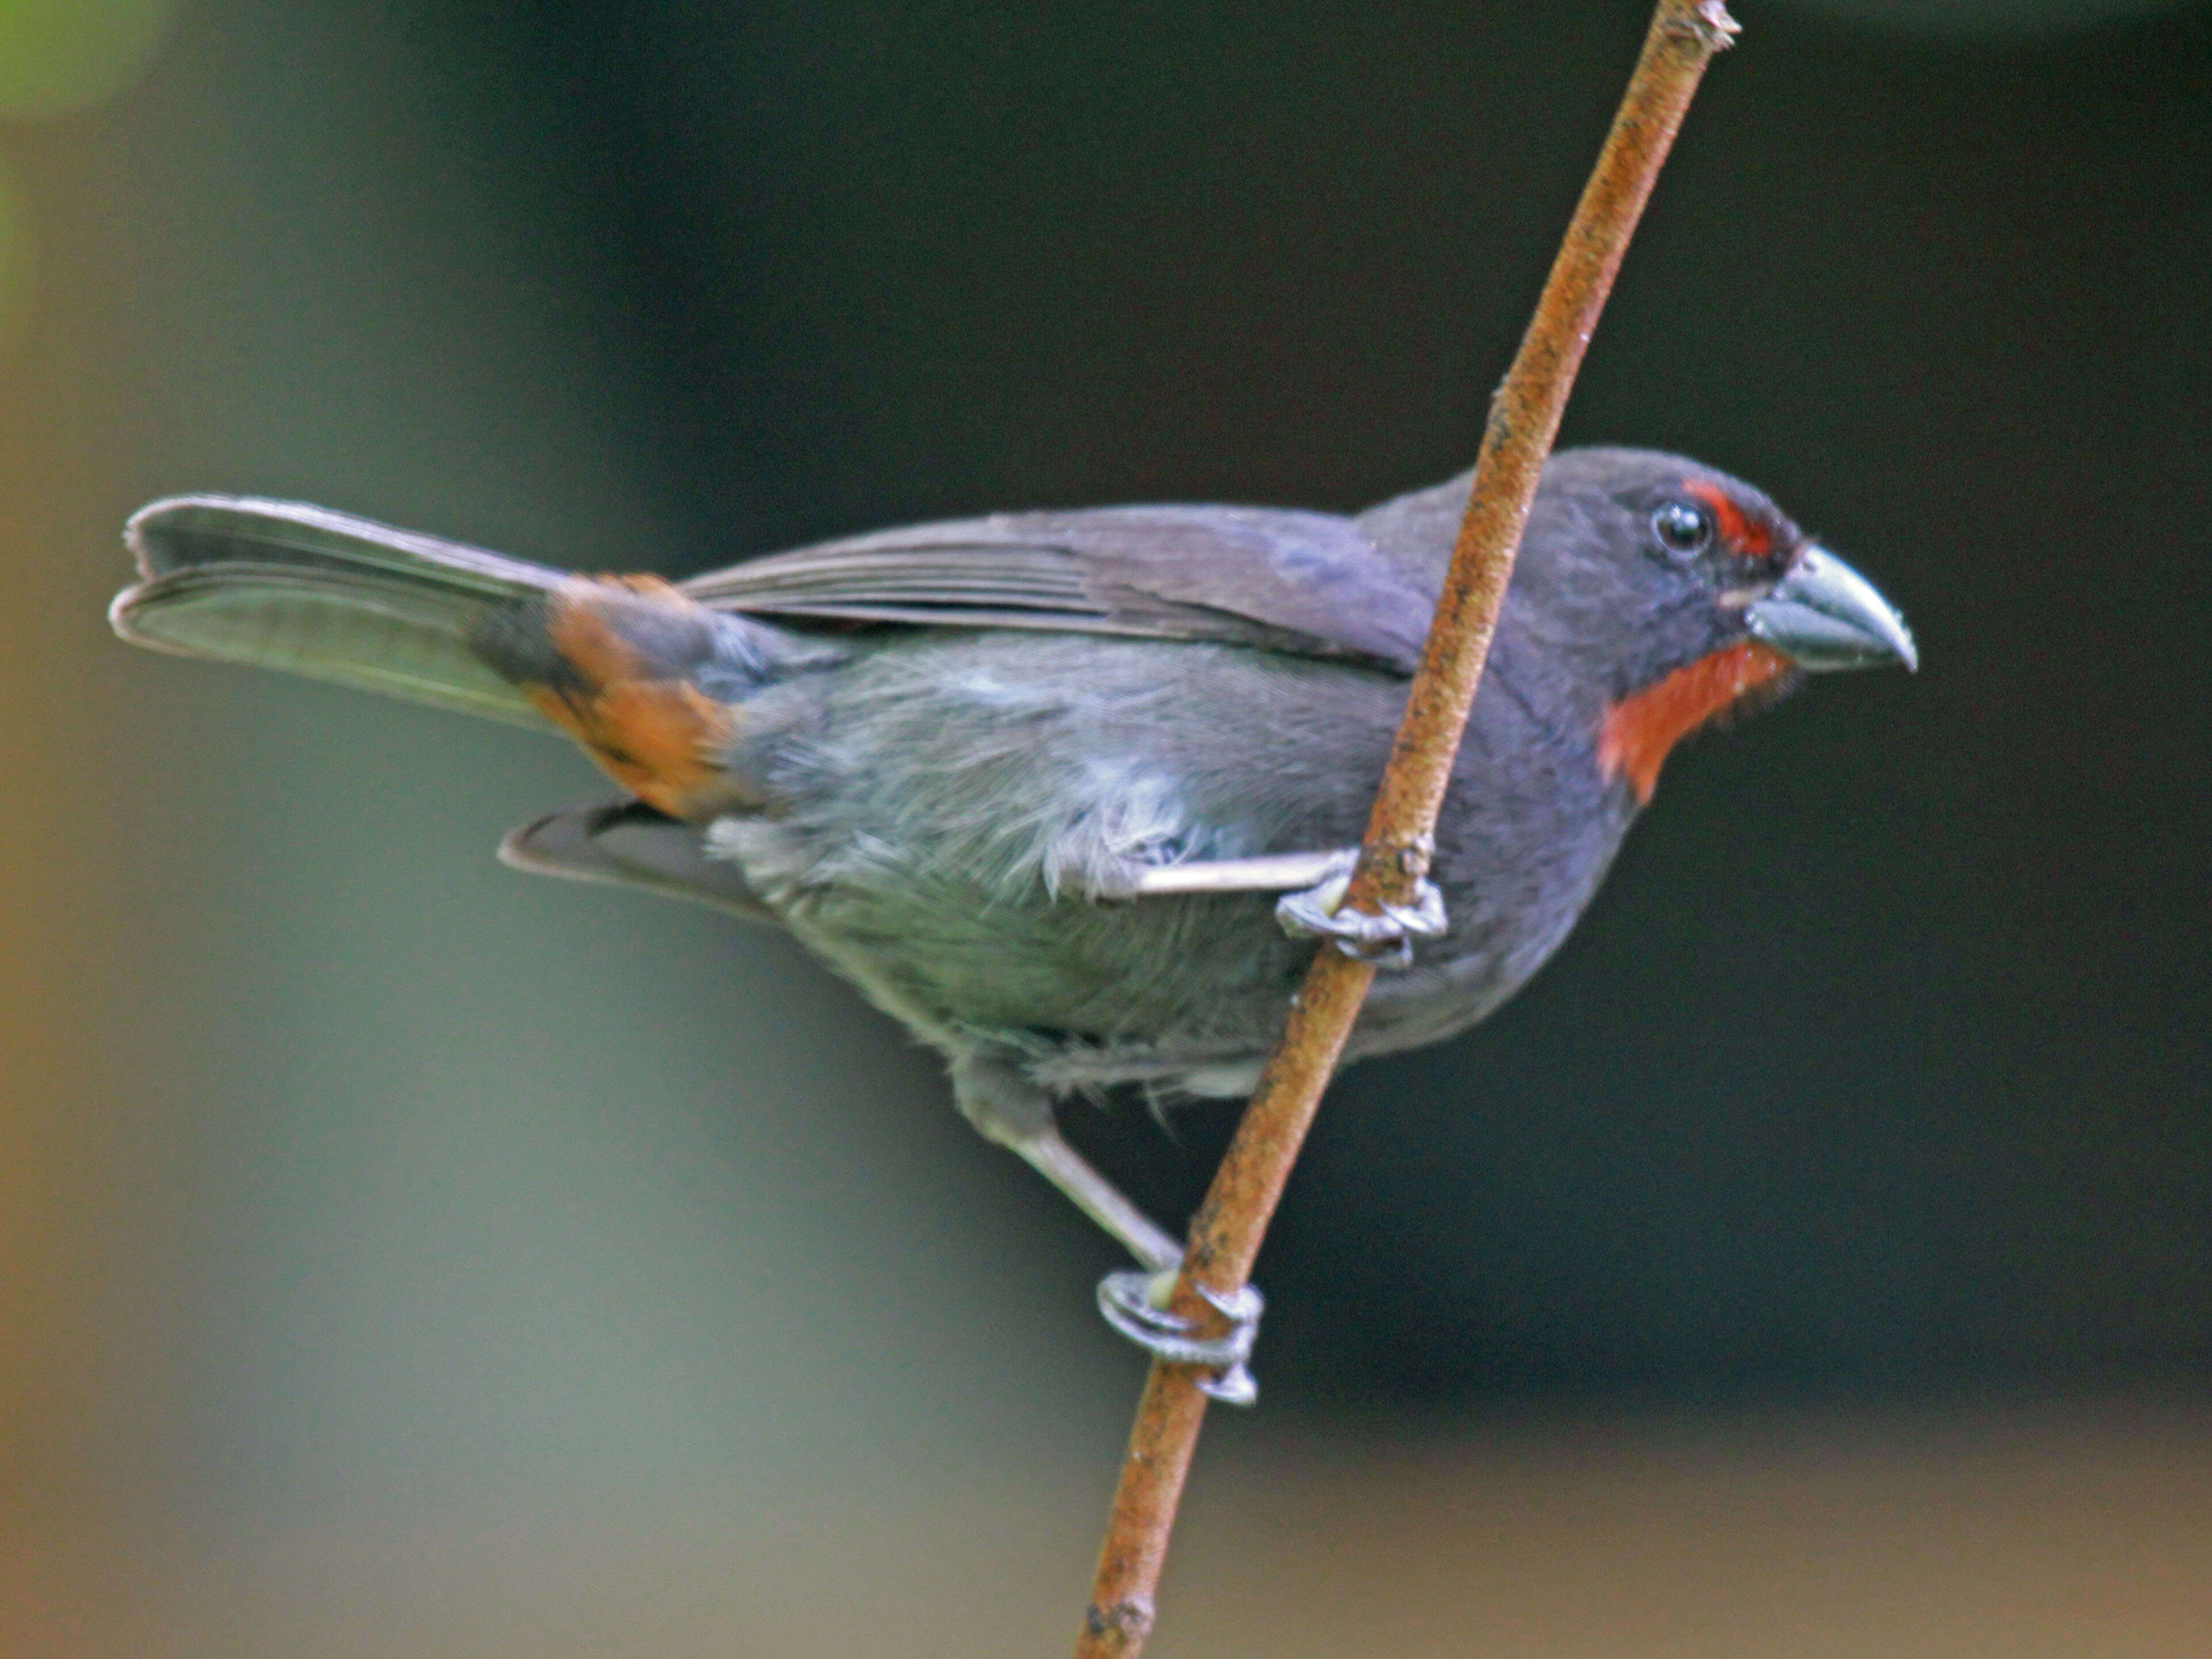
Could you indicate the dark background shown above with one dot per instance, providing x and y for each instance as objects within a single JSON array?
[{"x": 351, "y": 1176}]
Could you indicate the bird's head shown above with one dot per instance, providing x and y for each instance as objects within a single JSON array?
[{"x": 1684, "y": 594}]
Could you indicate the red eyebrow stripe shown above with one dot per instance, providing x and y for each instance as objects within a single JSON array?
[{"x": 1753, "y": 541}]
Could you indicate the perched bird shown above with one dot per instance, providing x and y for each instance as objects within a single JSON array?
[{"x": 1039, "y": 784}]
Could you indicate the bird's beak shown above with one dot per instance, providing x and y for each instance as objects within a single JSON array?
[{"x": 1824, "y": 615}]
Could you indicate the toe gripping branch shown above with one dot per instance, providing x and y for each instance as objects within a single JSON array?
[
  {"x": 1385, "y": 938},
  {"x": 1134, "y": 1303}
]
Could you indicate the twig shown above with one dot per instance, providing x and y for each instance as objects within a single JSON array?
[{"x": 1524, "y": 417}]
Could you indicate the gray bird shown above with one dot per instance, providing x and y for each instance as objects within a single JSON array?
[{"x": 1071, "y": 794}]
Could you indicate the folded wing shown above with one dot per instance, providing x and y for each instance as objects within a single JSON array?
[{"x": 1308, "y": 583}]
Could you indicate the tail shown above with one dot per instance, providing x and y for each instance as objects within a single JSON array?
[{"x": 649, "y": 682}]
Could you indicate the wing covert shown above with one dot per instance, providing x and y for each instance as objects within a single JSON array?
[{"x": 1311, "y": 583}]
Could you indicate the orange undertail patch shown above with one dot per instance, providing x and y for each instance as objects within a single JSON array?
[
  {"x": 659, "y": 736},
  {"x": 1640, "y": 729}
]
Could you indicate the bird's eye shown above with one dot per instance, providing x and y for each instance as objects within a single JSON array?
[{"x": 1681, "y": 528}]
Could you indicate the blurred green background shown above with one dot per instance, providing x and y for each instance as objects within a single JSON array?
[{"x": 398, "y": 1255}]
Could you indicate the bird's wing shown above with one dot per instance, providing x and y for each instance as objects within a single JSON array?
[{"x": 1308, "y": 583}]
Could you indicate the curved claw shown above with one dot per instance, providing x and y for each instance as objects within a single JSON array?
[
  {"x": 1235, "y": 1386},
  {"x": 1132, "y": 1302},
  {"x": 1386, "y": 939}
]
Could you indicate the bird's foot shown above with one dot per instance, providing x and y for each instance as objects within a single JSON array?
[
  {"x": 1385, "y": 940},
  {"x": 1135, "y": 1303}
]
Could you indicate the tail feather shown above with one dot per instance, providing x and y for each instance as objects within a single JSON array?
[
  {"x": 283, "y": 585},
  {"x": 649, "y": 681},
  {"x": 629, "y": 844}
]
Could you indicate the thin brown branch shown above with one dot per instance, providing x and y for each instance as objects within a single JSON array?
[{"x": 1524, "y": 418}]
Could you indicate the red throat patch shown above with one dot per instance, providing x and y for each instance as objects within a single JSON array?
[{"x": 1641, "y": 728}]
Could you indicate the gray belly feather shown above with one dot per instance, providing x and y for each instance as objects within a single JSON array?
[{"x": 949, "y": 805}]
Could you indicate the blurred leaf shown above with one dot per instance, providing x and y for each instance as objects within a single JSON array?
[{"x": 57, "y": 57}]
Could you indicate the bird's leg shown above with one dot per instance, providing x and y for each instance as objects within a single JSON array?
[
  {"x": 1313, "y": 886},
  {"x": 1090, "y": 1192},
  {"x": 1008, "y": 1107},
  {"x": 1278, "y": 872}
]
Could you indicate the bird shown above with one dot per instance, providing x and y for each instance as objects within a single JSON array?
[{"x": 1074, "y": 796}]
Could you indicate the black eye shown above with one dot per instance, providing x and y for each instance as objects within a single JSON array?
[{"x": 1681, "y": 528}]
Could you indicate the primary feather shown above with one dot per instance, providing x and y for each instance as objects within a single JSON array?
[{"x": 285, "y": 584}]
